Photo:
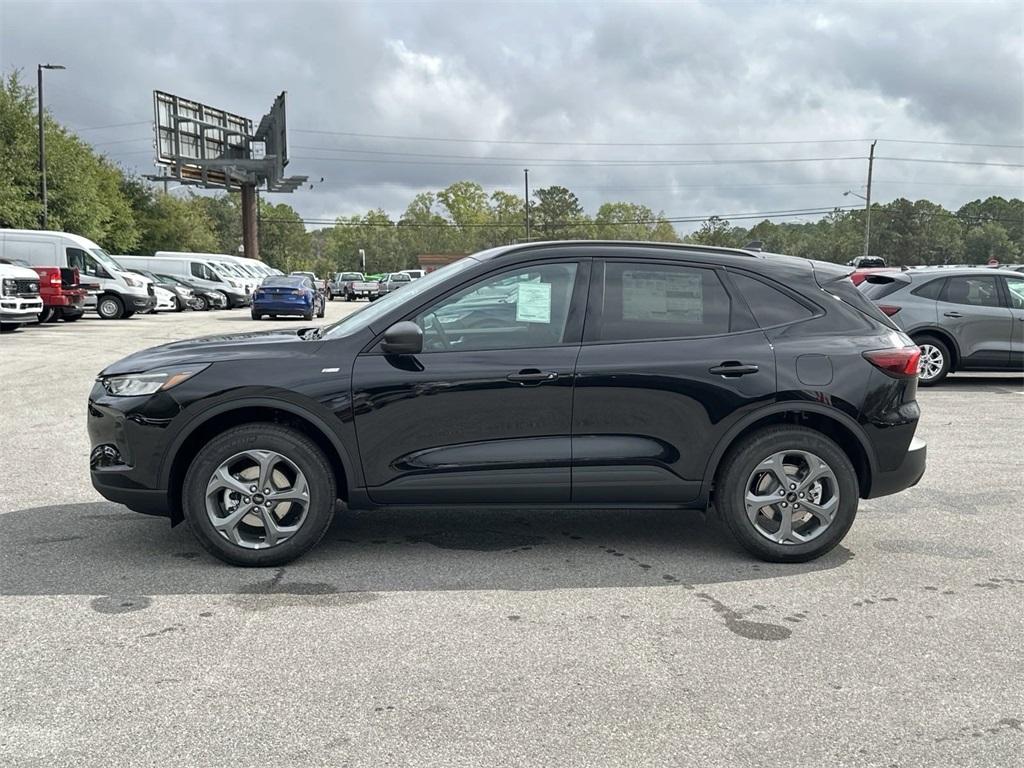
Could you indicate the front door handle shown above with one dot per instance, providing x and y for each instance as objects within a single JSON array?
[
  {"x": 952, "y": 314},
  {"x": 731, "y": 368},
  {"x": 531, "y": 377}
]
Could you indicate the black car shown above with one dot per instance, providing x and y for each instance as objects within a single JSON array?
[
  {"x": 582, "y": 373},
  {"x": 204, "y": 299}
]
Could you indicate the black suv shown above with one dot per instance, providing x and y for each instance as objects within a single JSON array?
[{"x": 582, "y": 373}]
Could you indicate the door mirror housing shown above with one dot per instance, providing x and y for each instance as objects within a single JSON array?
[{"x": 404, "y": 338}]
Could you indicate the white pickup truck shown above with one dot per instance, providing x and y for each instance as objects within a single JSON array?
[
  {"x": 19, "y": 296},
  {"x": 369, "y": 289}
]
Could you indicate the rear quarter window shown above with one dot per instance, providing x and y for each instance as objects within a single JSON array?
[
  {"x": 931, "y": 289},
  {"x": 769, "y": 305}
]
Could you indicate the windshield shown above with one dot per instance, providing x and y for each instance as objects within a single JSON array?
[
  {"x": 106, "y": 259},
  {"x": 390, "y": 301}
]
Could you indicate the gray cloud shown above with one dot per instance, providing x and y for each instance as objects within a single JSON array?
[{"x": 688, "y": 72}]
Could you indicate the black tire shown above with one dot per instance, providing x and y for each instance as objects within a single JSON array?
[
  {"x": 308, "y": 316},
  {"x": 349, "y": 297},
  {"x": 49, "y": 315},
  {"x": 292, "y": 444},
  {"x": 178, "y": 306},
  {"x": 330, "y": 296},
  {"x": 932, "y": 345},
  {"x": 322, "y": 311},
  {"x": 70, "y": 317},
  {"x": 110, "y": 307},
  {"x": 228, "y": 304},
  {"x": 738, "y": 467},
  {"x": 202, "y": 304},
  {"x": 9, "y": 327},
  {"x": 256, "y": 315}
]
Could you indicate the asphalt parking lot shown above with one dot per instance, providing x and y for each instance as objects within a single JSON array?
[{"x": 547, "y": 638}]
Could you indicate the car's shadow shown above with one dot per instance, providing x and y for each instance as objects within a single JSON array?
[
  {"x": 989, "y": 382},
  {"x": 104, "y": 549}
]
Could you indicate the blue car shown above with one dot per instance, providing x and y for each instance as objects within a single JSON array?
[{"x": 287, "y": 295}]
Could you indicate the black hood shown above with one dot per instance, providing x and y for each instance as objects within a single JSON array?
[{"x": 219, "y": 348}]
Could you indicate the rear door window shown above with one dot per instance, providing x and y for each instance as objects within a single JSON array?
[
  {"x": 1015, "y": 288},
  {"x": 975, "y": 291},
  {"x": 661, "y": 301}
]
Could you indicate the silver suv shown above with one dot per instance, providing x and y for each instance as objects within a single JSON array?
[{"x": 968, "y": 319}]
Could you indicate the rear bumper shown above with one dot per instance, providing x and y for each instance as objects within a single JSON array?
[
  {"x": 907, "y": 474},
  {"x": 283, "y": 307}
]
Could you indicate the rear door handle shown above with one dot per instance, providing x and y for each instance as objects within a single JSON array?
[
  {"x": 730, "y": 369},
  {"x": 531, "y": 377},
  {"x": 952, "y": 314}
]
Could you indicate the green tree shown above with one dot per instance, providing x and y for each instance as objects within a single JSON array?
[
  {"x": 558, "y": 214},
  {"x": 988, "y": 241}
]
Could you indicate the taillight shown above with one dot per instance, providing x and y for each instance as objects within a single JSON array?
[
  {"x": 888, "y": 309},
  {"x": 298, "y": 292},
  {"x": 55, "y": 278},
  {"x": 899, "y": 362}
]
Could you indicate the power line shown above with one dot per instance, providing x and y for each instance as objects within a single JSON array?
[
  {"x": 534, "y": 142},
  {"x": 588, "y": 163},
  {"x": 685, "y": 219},
  {"x": 950, "y": 162},
  {"x": 114, "y": 125}
]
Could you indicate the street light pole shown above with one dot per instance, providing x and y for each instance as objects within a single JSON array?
[{"x": 42, "y": 140}]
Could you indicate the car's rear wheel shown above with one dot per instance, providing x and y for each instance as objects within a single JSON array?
[
  {"x": 256, "y": 315},
  {"x": 259, "y": 495},
  {"x": 935, "y": 360},
  {"x": 201, "y": 304},
  {"x": 788, "y": 494},
  {"x": 110, "y": 307}
]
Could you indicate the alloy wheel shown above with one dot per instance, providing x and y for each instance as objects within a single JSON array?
[
  {"x": 931, "y": 362},
  {"x": 257, "y": 499},
  {"x": 791, "y": 497}
]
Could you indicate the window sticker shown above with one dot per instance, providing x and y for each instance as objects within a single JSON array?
[
  {"x": 533, "y": 303},
  {"x": 665, "y": 296}
]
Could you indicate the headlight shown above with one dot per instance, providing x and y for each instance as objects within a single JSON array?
[
  {"x": 151, "y": 382},
  {"x": 9, "y": 287}
]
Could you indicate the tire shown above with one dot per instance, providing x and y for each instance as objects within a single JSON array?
[
  {"x": 330, "y": 296},
  {"x": 298, "y": 453},
  {"x": 935, "y": 360},
  {"x": 349, "y": 297},
  {"x": 110, "y": 307},
  {"x": 49, "y": 315},
  {"x": 70, "y": 317},
  {"x": 745, "y": 467},
  {"x": 308, "y": 316},
  {"x": 202, "y": 304},
  {"x": 322, "y": 311},
  {"x": 227, "y": 300},
  {"x": 256, "y": 315},
  {"x": 9, "y": 327},
  {"x": 178, "y": 306}
]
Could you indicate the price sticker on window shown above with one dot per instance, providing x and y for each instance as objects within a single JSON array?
[{"x": 533, "y": 303}]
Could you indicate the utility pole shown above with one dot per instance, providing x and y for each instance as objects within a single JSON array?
[
  {"x": 526, "y": 200},
  {"x": 867, "y": 200},
  {"x": 42, "y": 140},
  {"x": 250, "y": 228}
]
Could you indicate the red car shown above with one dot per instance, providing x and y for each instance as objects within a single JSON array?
[{"x": 62, "y": 295}]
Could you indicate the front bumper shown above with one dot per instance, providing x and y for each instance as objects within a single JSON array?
[
  {"x": 15, "y": 310},
  {"x": 907, "y": 474},
  {"x": 140, "y": 303}
]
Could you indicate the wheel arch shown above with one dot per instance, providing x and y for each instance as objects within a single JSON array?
[
  {"x": 945, "y": 337},
  {"x": 842, "y": 429},
  {"x": 246, "y": 411}
]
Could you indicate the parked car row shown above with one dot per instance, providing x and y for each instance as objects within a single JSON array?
[
  {"x": 354, "y": 285},
  {"x": 48, "y": 276}
]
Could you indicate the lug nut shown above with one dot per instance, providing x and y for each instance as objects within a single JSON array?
[
  {"x": 796, "y": 506},
  {"x": 792, "y": 486},
  {"x": 782, "y": 491},
  {"x": 801, "y": 494},
  {"x": 253, "y": 488},
  {"x": 785, "y": 504},
  {"x": 246, "y": 499},
  {"x": 266, "y": 490}
]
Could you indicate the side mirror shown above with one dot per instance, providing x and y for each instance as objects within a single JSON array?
[{"x": 404, "y": 338}]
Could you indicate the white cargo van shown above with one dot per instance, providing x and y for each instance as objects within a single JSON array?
[
  {"x": 200, "y": 269},
  {"x": 19, "y": 297},
  {"x": 117, "y": 294}
]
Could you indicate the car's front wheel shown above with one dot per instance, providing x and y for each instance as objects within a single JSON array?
[
  {"x": 788, "y": 494},
  {"x": 110, "y": 307},
  {"x": 259, "y": 495}
]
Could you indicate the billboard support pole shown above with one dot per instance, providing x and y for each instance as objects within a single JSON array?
[{"x": 250, "y": 234}]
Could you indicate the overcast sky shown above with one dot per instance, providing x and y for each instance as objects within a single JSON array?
[{"x": 490, "y": 75}]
